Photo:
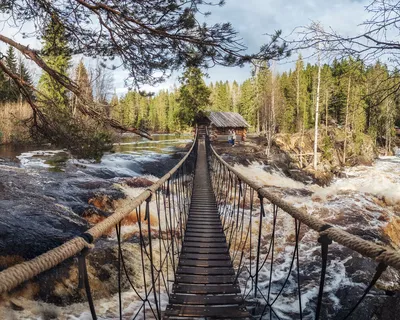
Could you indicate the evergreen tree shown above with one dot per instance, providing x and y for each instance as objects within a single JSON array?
[
  {"x": 12, "y": 92},
  {"x": 85, "y": 87},
  {"x": 57, "y": 55},
  {"x": 235, "y": 96},
  {"x": 194, "y": 96},
  {"x": 247, "y": 102},
  {"x": 289, "y": 120},
  {"x": 222, "y": 99},
  {"x": 26, "y": 77}
]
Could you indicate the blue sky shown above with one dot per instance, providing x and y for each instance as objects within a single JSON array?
[{"x": 253, "y": 19}]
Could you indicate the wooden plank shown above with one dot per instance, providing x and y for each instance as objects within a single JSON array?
[
  {"x": 207, "y": 229},
  {"x": 201, "y": 217},
  {"x": 203, "y": 207},
  {"x": 206, "y": 271},
  {"x": 204, "y": 234},
  {"x": 199, "y": 225},
  {"x": 203, "y": 225},
  {"x": 206, "y": 240},
  {"x": 205, "y": 220},
  {"x": 205, "y": 289},
  {"x": 204, "y": 279},
  {"x": 205, "y": 299},
  {"x": 205, "y": 256},
  {"x": 204, "y": 263},
  {"x": 206, "y": 245},
  {"x": 205, "y": 250},
  {"x": 218, "y": 312},
  {"x": 204, "y": 216}
]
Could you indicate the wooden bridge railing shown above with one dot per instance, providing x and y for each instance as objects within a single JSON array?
[
  {"x": 160, "y": 212},
  {"x": 275, "y": 265}
]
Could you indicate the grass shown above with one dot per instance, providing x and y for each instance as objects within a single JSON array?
[{"x": 12, "y": 130}]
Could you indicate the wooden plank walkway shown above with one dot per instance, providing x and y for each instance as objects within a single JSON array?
[{"x": 205, "y": 284}]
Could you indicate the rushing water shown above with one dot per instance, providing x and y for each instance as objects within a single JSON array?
[
  {"x": 364, "y": 203},
  {"x": 126, "y": 159}
]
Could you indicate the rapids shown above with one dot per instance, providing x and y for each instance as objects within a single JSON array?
[{"x": 365, "y": 202}]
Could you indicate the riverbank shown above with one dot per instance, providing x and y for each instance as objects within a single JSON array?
[
  {"x": 293, "y": 154},
  {"x": 363, "y": 200},
  {"x": 47, "y": 198}
]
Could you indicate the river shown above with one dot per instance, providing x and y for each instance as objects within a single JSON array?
[
  {"x": 126, "y": 159},
  {"x": 365, "y": 202}
]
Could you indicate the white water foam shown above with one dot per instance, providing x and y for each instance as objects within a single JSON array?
[{"x": 37, "y": 159}]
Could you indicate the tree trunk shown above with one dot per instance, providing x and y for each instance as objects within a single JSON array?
[
  {"x": 271, "y": 120},
  {"x": 317, "y": 114},
  {"x": 326, "y": 111},
  {"x": 298, "y": 119},
  {"x": 346, "y": 122},
  {"x": 387, "y": 129},
  {"x": 258, "y": 109}
]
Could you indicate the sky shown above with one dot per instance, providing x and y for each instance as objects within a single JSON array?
[{"x": 253, "y": 19}]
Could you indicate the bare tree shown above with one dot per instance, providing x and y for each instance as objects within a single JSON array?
[
  {"x": 150, "y": 38},
  {"x": 315, "y": 163},
  {"x": 346, "y": 121},
  {"x": 378, "y": 41},
  {"x": 270, "y": 121}
]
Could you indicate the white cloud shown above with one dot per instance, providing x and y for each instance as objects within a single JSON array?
[{"x": 253, "y": 19}]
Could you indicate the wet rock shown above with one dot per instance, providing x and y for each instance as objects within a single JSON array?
[
  {"x": 28, "y": 230},
  {"x": 91, "y": 185},
  {"x": 138, "y": 182},
  {"x": 392, "y": 230},
  {"x": 58, "y": 159}
]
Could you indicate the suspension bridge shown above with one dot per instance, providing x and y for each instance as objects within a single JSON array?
[{"x": 210, "y": 240}]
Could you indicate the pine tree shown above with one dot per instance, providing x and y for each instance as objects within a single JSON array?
[
  {"x": 114, "y": 111},
  {"x": 58, "y": 56},
  {"x": 235, "y": 96},
  {"x": 194, "y": 96},
  {"x": 288, "y": 121},
  {"x": 26, "y": 77},
  {"x": 247, "y": 102},
  {"x": 84, "y": 85},
  {"x": 11, "y": 63},
  {"x": 222, "y": 99}
]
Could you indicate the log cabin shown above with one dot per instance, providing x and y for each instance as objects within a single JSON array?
[{"x": 220, "y": 123}]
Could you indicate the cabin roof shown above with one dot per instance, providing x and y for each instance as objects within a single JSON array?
[{"x": 227, "y": 120}]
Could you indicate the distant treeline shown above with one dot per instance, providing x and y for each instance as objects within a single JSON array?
[{"x": 351, "y": 95}]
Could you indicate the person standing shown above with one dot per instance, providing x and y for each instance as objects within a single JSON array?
[
  {"x": 244, "y": 135},
  {"x": 230, "y": 137},
  {"x": 233, "y": 137}
]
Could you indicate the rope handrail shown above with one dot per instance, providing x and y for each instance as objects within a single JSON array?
[
  {"x": 381, "y": 254},
  {"x": 19, "y": 273}
]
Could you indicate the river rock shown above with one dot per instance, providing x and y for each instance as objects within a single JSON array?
[{"x": 138, "y": 182}]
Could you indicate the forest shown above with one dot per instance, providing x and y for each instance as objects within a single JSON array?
[
  {"x": 352, "y": 95},
  {"x": 71, "y": 106}
]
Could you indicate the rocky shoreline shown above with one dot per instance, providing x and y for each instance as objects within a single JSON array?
[
  {"x": 368, "y": 214},
  {"x": 43, "y": 208},
  {"x": 286, "y": 152}
]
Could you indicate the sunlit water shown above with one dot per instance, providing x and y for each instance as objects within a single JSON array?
[
  {"x": 126, "y": 158},
  {"x": 354, "y": 195}
]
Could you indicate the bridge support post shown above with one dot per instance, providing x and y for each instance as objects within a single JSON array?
[
  {"x": 325, "y": 242},
  {"x": 262, "y": 214}
]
